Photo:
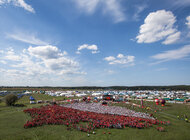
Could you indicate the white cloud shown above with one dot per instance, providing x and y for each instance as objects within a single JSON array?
[
  {"x": 112, "y": 7},
  {"x": 46, "y": 52},
  {"x": 18, "y": 3},
  {"x": 69, "y": 71},
  {"x": 93, "y": 48},
  {"x": 3, "y": 62},
  {"x": 1, "y": 51},
  {"x": 10, "y": 55},
  {"x": 172, "y": 38},
  {"x": 188, "y": 22},
  {"x": 23, "y": 4},
  {"x": 88, "y": 5},
  {"x": 139, "y": 9},
  {"x": 109, "y": 58},
  {"x": 157, "y": 26},
  {"x": 173, "y": 54},
  {"x": 53, "y": 58},
  {"x": 180, "y": 2},
  {"x": 2, "y": 2},
  {"x": 27, "y": 38},
  {"x": 60, "y": 63},
  {"x": 120, "y": 55},
  {"x": 121, "y": 59},
  {"x": 41, "y": 60}
]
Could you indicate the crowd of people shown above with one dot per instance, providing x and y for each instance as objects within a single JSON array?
[
  {"x": 72, "y": 118},
  {"x": 113, "y": 110}
]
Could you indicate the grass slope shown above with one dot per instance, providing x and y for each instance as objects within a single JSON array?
[{"x": 12, "y": 120}]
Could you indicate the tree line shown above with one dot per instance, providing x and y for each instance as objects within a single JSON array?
[{"x": 168, "y": 88}]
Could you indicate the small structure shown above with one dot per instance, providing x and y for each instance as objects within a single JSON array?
[
  {"x": 187, "y": 101},
  {"x": 32, "y": 100},
  {"x": 162, "y": 101},
  {"x": 88, "y": 98},
  {"x": 107, "y": 97},
  {"x": 39, "y": 101},
  {"x": 157, "y": 101}
]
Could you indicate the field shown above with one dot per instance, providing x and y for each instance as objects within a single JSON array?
[{"x": 12, "y": 120}]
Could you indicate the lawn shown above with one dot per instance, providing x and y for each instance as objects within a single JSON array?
[{"x": 12, "y": 120}]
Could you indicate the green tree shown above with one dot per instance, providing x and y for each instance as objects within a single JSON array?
[{"x": 10, "y": 99}]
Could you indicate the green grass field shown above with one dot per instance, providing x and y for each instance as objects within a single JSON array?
[{"x": 12, "y": 120}]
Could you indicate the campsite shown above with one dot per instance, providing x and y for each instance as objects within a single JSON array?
[{"x": 13, "y": 120}]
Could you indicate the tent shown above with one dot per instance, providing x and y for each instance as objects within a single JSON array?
[
  {"x": 31, "y": 98},
  {"x": 179, "y": 100}
]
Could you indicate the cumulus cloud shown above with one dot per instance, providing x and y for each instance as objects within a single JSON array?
[
  {"x": 112, "y": 7},
  {"x": 158, "y": 26},
  {"x": 46, "y": 52},
  {"x": 121, "y": 59},
  {"x": 173, "y": 54},
  {"x": 93, "y": 48},
  {"x": 26, "y": 37},
  {"x": 41, "y": 60},
  {"x": 18, "y": 3},
  {"x": 172, "y": 38},
  {"x": 188, "y": 22},
  {"x": 60, "y": 63}
]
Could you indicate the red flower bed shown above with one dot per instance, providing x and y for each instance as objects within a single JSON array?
[{"x": 71, "y": 118}]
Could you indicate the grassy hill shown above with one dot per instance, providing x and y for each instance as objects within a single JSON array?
[{"x": 12, "y": 120}]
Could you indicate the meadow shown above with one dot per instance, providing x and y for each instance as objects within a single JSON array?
[{"x": 12, "y": 120}]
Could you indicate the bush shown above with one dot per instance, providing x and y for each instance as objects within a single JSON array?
[{"x": 10, "y": 99}]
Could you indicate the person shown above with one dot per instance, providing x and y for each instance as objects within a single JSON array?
[
  {"x": 178, "y": 117},
  {"x": 186, "y": 119}
]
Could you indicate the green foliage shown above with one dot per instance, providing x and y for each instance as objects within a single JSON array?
[{"x": 10, "y": 99}]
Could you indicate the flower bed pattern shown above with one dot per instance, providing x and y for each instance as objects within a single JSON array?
[{"x": 71, "y": 118}]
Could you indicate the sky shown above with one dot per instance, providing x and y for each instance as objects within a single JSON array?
[{"x": 94, "y": 42}]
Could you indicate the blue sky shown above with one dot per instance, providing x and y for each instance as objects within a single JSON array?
[{"x": 94, "y": 43}]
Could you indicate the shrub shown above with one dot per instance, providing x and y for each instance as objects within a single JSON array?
[{"x": 10, "y": 99}]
